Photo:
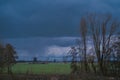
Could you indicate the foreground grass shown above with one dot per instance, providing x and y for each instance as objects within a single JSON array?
[{"x": 50, "y": 68}]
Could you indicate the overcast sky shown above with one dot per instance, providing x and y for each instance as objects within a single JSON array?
[{"x": 38, "y": 27}]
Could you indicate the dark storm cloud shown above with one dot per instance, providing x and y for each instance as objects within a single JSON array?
[
  {"x": 28, "y": 18},
  {"x": 39, "y": 46},
  {"x": 47, "y": 27}
]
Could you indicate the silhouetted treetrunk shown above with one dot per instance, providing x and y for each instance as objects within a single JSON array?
[
  {"x": 93, "y": 66},
  {"x": 9, "y": 70},
  {"x": 1, "y": 58},
  {"x": 83, "y": 31}
]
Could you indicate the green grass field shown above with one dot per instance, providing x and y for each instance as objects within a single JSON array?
[{"x": 50, "y": 68}]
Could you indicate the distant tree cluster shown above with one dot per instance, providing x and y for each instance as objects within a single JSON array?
[{"x": 7, "y": 57}]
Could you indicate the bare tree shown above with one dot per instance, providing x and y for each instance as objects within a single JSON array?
[
  {"x": 10, "y": 56},
  {"x": 73, "y": 54},
  {"x": 83, "y": 31},
  {"x": 102, "y": 27},
  {"x": 116, "y": 57}
]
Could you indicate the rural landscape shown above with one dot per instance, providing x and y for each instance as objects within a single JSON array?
[{"x": 59, "y": 40}]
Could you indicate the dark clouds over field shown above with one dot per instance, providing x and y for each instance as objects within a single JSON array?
[
  {"x": 30, "y": 18},
  {"x": 24, "y": 20},
  {"x": 39, "y": 46}
]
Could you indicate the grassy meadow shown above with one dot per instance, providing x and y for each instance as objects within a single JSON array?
[{"x": 50, "y": 68}]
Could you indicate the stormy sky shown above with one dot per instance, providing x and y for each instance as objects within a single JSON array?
[{"x": 47, "y": 27}]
